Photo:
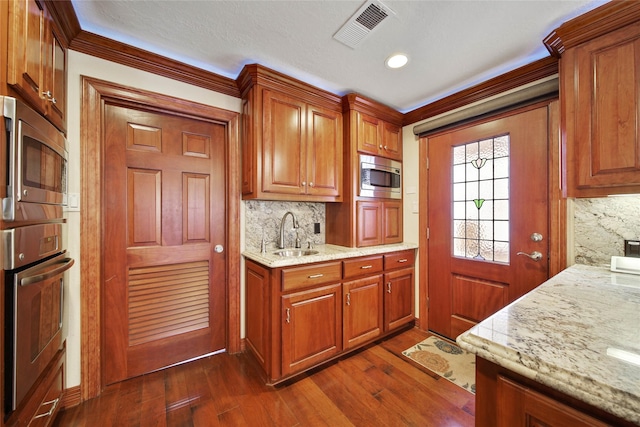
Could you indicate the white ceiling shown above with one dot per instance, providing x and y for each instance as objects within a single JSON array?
[{"x": 451, "y": 45}]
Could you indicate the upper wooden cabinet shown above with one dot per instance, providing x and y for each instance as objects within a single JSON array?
[
  {"x": 378, "y": 137},
  {"x": 600, "y": 80},
  {"x": 37, "y": 60},
  {"x": 292, "y": 139}
]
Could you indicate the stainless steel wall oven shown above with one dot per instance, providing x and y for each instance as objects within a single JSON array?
[{"x": 34, "y": 258}]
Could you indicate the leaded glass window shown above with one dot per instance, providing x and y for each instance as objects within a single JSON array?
[{"x": 481, "y": 199}]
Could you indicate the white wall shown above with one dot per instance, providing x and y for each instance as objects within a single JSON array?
[
  {"x": 410, "y": 207},
  {"x": 85, "y": 65}
]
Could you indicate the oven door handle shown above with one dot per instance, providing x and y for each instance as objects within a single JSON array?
[{"x": 60, "y": 267}]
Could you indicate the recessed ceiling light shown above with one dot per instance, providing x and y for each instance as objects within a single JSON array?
[{"x": 397, "y": 61}]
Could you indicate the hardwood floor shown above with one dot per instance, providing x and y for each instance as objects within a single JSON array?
[{"x": 374, "y": 387}]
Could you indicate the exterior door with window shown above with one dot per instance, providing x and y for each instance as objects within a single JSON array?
[{"x": 488, "y": 217}]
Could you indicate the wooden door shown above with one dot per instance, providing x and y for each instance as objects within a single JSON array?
[
  {"x": 487, "y": 199},
  {"x": 164, "y": 289},
  {"x": 362, "y": 299},
  {"x": 311, "y": 327},
  {"x": 324, "y": 152},
  {"x": 398, "y": 298}
]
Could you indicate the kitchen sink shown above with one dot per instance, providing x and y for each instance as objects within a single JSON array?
[{"x": 295, "y": 252}]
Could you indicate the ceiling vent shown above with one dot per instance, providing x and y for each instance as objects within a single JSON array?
[{"x": 365, "y": 20}]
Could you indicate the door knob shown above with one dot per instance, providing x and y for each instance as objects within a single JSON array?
[
  {"x": 535, "y": 255},
  {"x": 218, "y": 249}
]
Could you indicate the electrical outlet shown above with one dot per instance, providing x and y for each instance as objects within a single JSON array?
[
  {"x": 316, "y": 228},
  {"x": 632, "y": 248}
]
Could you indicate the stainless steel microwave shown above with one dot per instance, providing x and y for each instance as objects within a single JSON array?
[
  {"x": 36, "y": 164},
  {"x": 380, "y": 177}
]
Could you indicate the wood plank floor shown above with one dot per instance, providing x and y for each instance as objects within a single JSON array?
[{"x": 376, "y": 386}]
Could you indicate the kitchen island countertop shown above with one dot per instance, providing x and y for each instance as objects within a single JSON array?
[
  {"x": 325, "y": 253},
  {"x": 570, "y": 334}
]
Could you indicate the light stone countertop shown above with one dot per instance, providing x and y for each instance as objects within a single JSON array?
[
  {"x": 325, "y": 253},
  {"x": 562, "y": 334}
]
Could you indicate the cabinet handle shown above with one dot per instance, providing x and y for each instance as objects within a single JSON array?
[
  {"x": 380, "y": 146},
  {"x": 288, "y": 315},
  {"x": 388, "y": 287},
  {"x": 403, "y": 260},
  {"x": 349, "y": 299},
  {"x": 53, "y": 101},
  {"x": 315, "y": 276},
  {"x": 365, "y": 267},
  {"x": 47, "y": 94},
  {"x": 51, "y": 411},
  {"x": 304, "y": 183},
  {"x": 311, "y": 184},
  {"x": 386, "y": 148}
]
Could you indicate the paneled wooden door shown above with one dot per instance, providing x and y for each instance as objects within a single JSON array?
[
  {"x": 488, "y": 218},
  {"x": 164, "y": 288}
]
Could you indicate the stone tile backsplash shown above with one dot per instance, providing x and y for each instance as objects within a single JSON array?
[
  {"x": 263, "y": 218},
  {"x": 601, "y": 227}
]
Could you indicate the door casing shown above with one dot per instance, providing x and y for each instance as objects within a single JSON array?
[{"x": 94, "y": 92}]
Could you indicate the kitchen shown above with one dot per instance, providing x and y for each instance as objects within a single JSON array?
[{"x": 611, "y": 216}]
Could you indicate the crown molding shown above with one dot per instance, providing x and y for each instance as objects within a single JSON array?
[
  {"x": 530, "y": 73},
  {"x": 592, "y": 24}
]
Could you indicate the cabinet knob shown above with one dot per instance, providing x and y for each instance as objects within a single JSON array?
[
  {"x": 380, "y": 146},
  {"x": 386, "y": 148},
  {"x": 304, "y": 183},
  {"x": 311, "y": 184}
]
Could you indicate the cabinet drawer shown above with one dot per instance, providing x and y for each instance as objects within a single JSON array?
[
  {"x": 399, "y": 259},
  {"x": 359, "y": 266},
  {"x": 310, "y": 275}
]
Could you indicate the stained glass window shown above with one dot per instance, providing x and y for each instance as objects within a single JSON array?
[{"x": 481, "y": 200}]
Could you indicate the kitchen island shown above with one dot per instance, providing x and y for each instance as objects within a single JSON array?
[{"x": 569, "y": 348}]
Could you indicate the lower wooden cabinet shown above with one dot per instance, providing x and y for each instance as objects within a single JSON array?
[
  {"x": 311, "y": 327},
  {"x": 43, "y": 404},
  {"x": 507, "y": 399},
  {"x": 301, "y": 316}
]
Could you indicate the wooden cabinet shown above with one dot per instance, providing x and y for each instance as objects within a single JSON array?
[
  {"x": 292, "y": 139},
  {"x": 376, "y": 129},
  {"x": 41, "y": 407},
  {"x": 505, "y": 398},
  {"x": 378, "y": 222},
  {"x": 301, "y": 316},
  {"x": 362, "y": 297},
  {"x": 312, "y": 327},
  {"x": 377, "y": 137},
  {"x": 399, "y": 300},
  {"x": 600, "y": 108},
  {"x": 37, "y": 60}
]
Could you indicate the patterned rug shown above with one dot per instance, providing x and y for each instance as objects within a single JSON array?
[{"x": 447, "y": 360}]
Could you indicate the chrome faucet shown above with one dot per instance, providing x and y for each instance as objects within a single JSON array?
[{"x": 281, "y": 244}]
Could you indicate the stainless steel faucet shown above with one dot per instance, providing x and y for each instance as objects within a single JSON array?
[{"x": 281, "y": 244}]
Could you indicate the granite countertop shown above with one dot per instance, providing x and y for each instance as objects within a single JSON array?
[
  {"x": 564, "y": 334},
  {"x": 325, "y": 253}
]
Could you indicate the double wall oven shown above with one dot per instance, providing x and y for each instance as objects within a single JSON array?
[{"x": 33, "y": 247}]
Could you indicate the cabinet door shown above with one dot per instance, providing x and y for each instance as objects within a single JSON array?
[
  {"x": 524, "y": 407},
  {"x": 257, "y": 289},
  {"x": 26, "y": 50},
  {"x": 392, "y": 222},
  {"x": 311, "y": 327},
  {"x": 603, "y": 114},
  {"x": 398, "y": 298},
  {"x": 369, "y": 223},
  {"x": 392, "y": 141},
  {"x": 55, "y": 93},
  {"x": 362, "y": 318},
  {"x": 369, "y": 134},
  {"x": 283, "y": 154},
  {"x": 324, "y": 152}
]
